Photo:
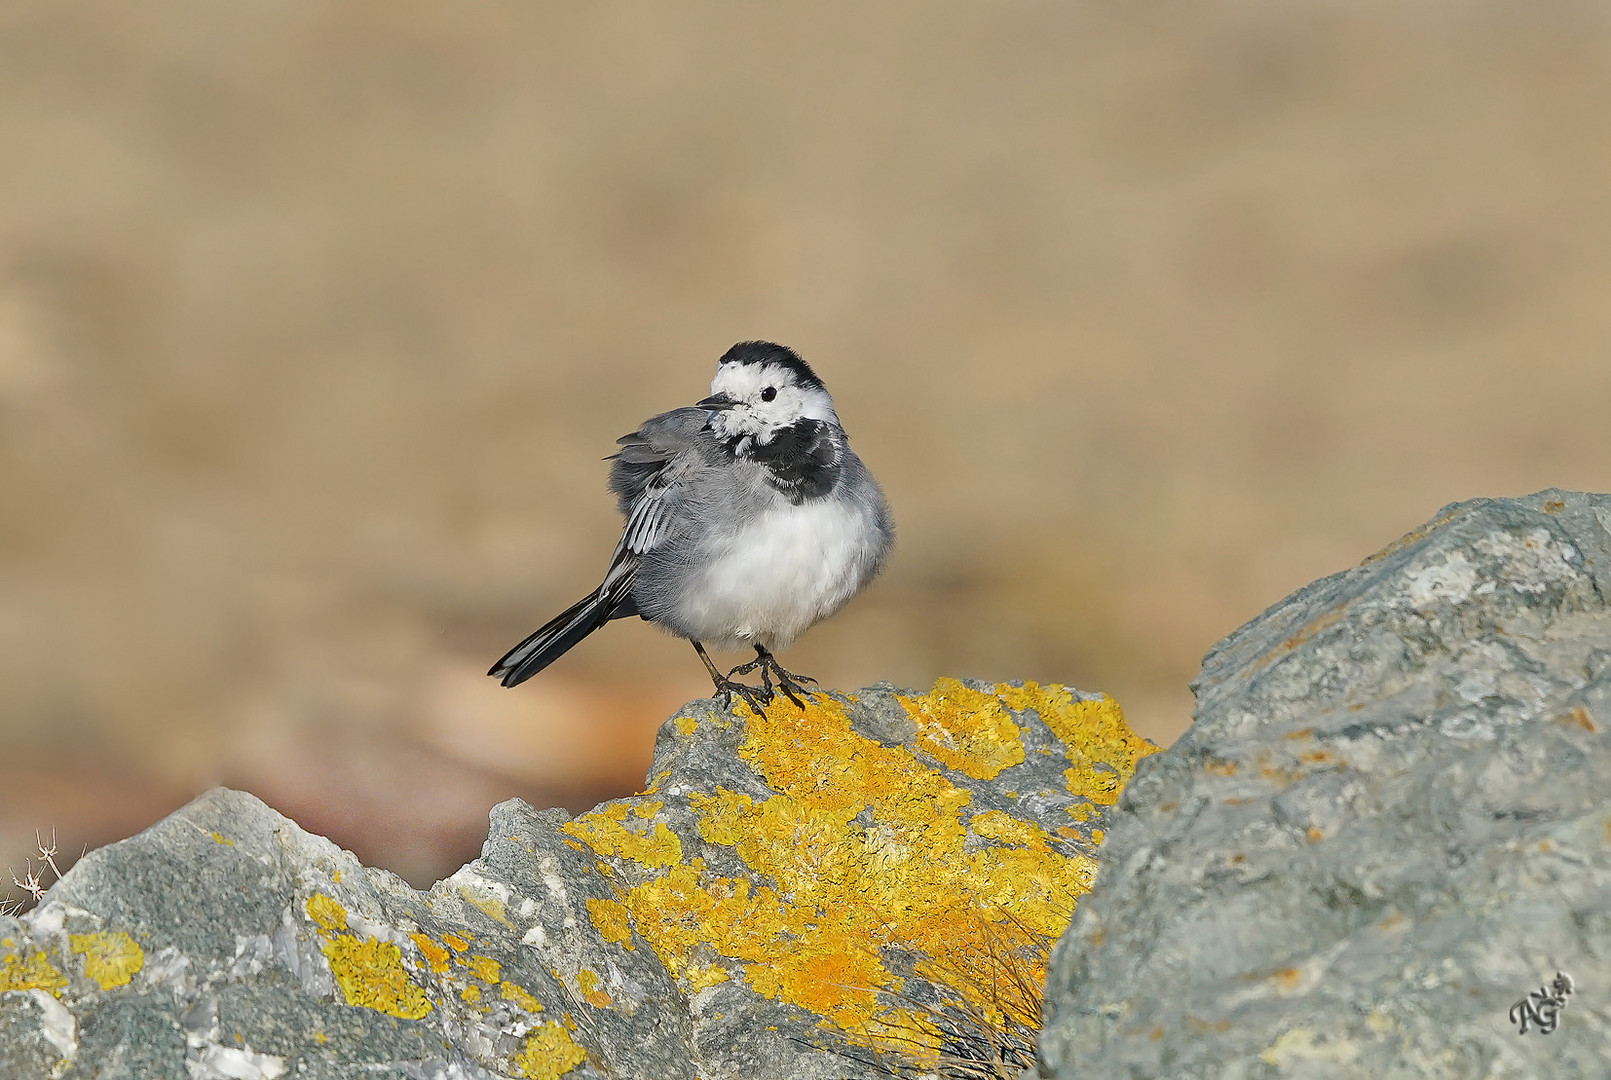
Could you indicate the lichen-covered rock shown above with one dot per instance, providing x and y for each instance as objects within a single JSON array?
[
  {"x": 769, "y": 908},
  {"x": 1387, "y": 825}
]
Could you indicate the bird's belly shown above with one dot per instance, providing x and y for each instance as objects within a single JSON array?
[{"x": 768, "y": 583}]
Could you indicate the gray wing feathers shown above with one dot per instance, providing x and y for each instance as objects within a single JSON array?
[
  {"x": 648, "y": 478},
  {"x": 646, "y": 453}
]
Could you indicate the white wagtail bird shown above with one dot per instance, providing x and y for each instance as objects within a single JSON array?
[{"x": 748, "y": 519}]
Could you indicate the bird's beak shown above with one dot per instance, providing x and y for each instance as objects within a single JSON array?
[{"x": 717, "y": 401}]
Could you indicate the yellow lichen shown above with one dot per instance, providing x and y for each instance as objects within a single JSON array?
[
  {"x": 999, "y": 825},
  {"x": 606, "y": 834},
  {"x": 548, "y": 1054},
  {"x": 471, "y": 994},
  {"x": 490, "y": 906},
  {"x": 330, "y": 915},
  {"x": 686, "y": 725},
  {"x": 1098, "y": 743},
  {"x": 588, "y": 983},
  {"x": 611, "y": 920},
  {"x": 520, "y": 996},
  {"x": 371, "y": 975},
  {"x": 110, "y": 958},
  {"x": 455, "y": 942},
  {"x": 965, "y": 729},
  {"x": 484, "y": 968},
  {"x": 30, "y": 971},
  {"x": 435, "y": 955},
  {"x": 220, "y": 838},
  {"x": 703, "y": 978},
  {"x": 862, "y": 846}
]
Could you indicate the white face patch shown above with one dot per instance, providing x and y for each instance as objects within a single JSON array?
[{"x": 751, "y": 385}]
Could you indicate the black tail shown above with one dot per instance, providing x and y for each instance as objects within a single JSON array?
[{"x": 556, "y": 637}]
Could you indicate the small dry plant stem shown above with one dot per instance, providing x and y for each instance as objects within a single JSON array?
[{"x": 32, "y": 880}]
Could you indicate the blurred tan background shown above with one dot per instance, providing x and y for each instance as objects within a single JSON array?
[{"x": 316, "y": 320}]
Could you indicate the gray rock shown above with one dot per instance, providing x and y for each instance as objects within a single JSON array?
[
  {"x": 1387, "y": 824},
  {"x": 760, "y": 912}
]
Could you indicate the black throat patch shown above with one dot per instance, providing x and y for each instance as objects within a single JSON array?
[{"x": 802, "y": 459}]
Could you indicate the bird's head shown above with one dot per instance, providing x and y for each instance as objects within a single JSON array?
[{"x": 761, "y": 389}]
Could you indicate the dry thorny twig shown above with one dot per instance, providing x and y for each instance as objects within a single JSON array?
[{"x": 32, "y": 881}]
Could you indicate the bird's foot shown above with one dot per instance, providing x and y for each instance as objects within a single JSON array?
[
  {"x": 756, "y": 697},
  {"x": 787, "y": 681}
]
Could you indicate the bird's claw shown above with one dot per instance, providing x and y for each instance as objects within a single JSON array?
[
  {"x": 756, "y": 697},
  {"x": 791, "y": 684}
]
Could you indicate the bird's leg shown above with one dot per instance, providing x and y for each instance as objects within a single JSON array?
[
  {"x": 788, "y": 681},
  {"x": 755, "y": 697}
]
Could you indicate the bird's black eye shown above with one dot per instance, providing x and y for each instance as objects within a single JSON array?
[{"x": 769, "y": 393}]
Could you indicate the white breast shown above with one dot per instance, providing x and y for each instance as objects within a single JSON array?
[{"x": 768, "y": 583}]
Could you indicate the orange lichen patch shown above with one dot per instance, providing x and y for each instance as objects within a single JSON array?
[
  {"x": 1098, "y": 743},
  {"x": 520, "y": 996},
  {"x": 1278, "y": 774},
  {"x": 1220, "y": 768},
  {"x": 1318, "y": 757},
  {"x": 1301, "y": 733},
  {"x": 370, "y": 972},
  {"x": 471, "y": 994},
  {"x": 1314, "y": 835},
  {"x": 1554, "y": 506},
  {"x": 1217, "y": 1026},
  {"x": 32, "y": 970},
  {"x": 548, "y": 1054},
  {"x": 611, "y": 920},
  {"x": 605, "y": 832},
  {"x": 434, "y": 954},
  {"x": 110, "y": 958},
  {"x": 455, "y": 942},
  {"x": 648, "y": 808},
  {"x": 964, "y": 729},
  {"x": 860, "y": 847},
  {"x": 686, "y": 725},
  {"x": 1412, "y": 536},
  {"x": 1312, "y": 627},
  {"x": 588, "y": 983},
  {"x": 1580, "y": 716}
]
